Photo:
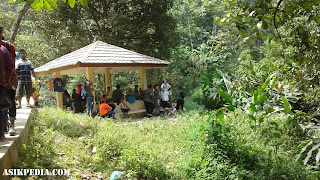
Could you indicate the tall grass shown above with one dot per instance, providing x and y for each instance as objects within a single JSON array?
[
  {"x": 186, "y": 147},
  {"x": 147, "y": 149}
]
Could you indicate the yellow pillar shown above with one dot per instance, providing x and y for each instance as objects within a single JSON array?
[
  {"x": 59, "y": 95},
  {"x": 107, "y": 79},
  {"x": 90, "y": 77},
  {"x": 143, "y": 78}
]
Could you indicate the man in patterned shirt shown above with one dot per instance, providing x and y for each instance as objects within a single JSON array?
[{"x": 24, "y": 69}]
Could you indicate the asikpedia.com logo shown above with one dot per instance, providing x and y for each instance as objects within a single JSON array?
[{"x": 36, "y": 172}]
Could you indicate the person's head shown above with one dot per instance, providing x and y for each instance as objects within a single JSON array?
[
  {"x": 103, "y": 100},
  {"x": 104, "y": 96},
  {"x": 23, "y": 54},
  {"x": 108, "y": 89},
  {"x": 156, "y": 87},
  {"x": 164, "y": 81},
  {"x": 179, "y": 88},
  {"x": 118, "y": 86},
  {"x": 150, "y": 86},
  {"x": 74, "y": 91},
  {"x": 135, "y": 86},
  {"x": 123, "y": 100}
]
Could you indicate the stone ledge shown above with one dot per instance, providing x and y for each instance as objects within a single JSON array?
[{"x": 9, "y": 149}]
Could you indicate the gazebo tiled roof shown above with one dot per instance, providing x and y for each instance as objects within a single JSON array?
[{"x": 100, "y": 55}]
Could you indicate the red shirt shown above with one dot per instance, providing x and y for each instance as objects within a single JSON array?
[
  {"x": 79, "y": 89},
  {"x": 12, "y": 50},
  {"x": 8, "y": 67}
]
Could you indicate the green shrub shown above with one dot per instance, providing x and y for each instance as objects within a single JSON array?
[
  {"x": 237, "y": 151},
  {"x": 187, "y": 147},
  {"x": 195, "y": 101}
]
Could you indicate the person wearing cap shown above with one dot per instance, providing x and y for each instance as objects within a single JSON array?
[{"x": 105, "y": 110}]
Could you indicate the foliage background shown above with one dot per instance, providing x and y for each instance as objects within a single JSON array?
[{"x": 251, "y": 63}]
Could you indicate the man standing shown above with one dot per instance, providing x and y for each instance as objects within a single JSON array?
[
  {"x": 12, "y": 90},
  {"x": 148, "y": 100},
  {"x": 90, "y": 98},
  {"x": 24, "y": 68},
  {"x": 165, "y": 94},
  {"x": 180, "y": 100},
  {"x": 117, "y": 95}
]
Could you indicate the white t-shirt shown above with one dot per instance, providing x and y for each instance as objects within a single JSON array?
[{"x": 164, "y": 91}]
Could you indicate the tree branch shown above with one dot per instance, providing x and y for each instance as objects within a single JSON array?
[
  {"x": 274, "y": 18},
  {"x": 17, "y": 24}
]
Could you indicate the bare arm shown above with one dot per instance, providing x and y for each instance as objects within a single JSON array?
[{"x": 34, "y": 74}]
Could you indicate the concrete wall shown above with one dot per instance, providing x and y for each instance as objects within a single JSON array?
[{"x": 9, "y": 149}]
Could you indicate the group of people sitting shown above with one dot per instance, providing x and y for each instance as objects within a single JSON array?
[
  {"x": 154, "y": 98},
  {"x": 161, "y": 99},
  {"x": 108, "y": 109},
  {"x": 82, "y": 99}
]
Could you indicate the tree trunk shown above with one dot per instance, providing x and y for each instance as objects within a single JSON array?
[{"x": 17, "y": 24}]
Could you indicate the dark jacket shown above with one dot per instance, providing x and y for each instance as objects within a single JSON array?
[
  {"x": 148, "y": 96},
  {"x": 117, "y": 95}
]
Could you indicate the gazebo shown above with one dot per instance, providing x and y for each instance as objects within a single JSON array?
[{"x": 100, "y": 58}]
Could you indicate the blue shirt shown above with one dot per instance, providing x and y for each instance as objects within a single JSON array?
[
  {"x": 57, "y": 85},
  {"x": 24, "y": 69}
]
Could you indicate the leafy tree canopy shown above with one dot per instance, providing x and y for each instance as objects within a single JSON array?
[{"x": 48, "y": 4}]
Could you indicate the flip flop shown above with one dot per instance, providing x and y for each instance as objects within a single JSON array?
[
  {"x": 18, "y": 107},
  {"x": 30, "y": 106}
]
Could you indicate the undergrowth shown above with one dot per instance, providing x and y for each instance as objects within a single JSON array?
[{"x": 187, "y": 147}]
